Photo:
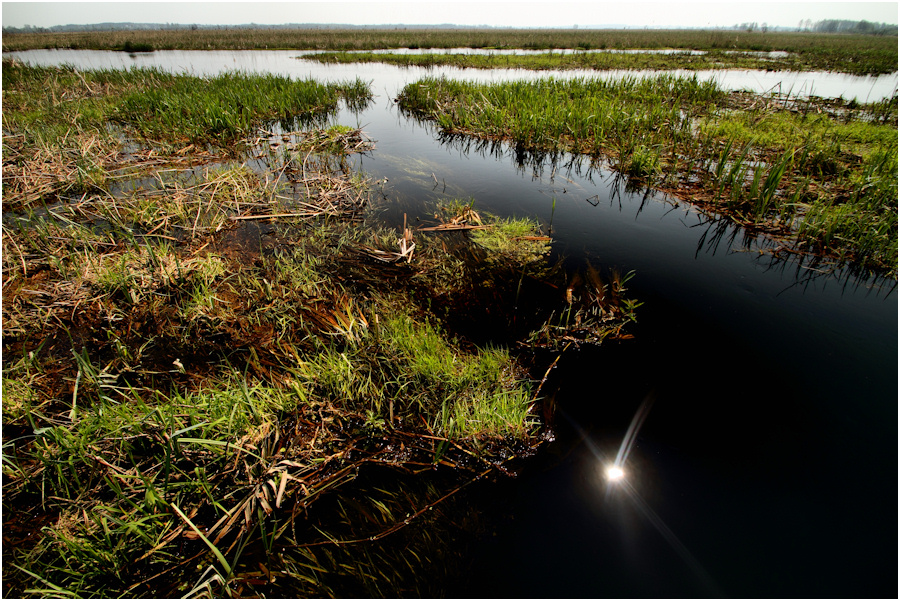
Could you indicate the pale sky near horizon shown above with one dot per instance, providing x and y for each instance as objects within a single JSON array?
[{"x": 424, "y": 12}]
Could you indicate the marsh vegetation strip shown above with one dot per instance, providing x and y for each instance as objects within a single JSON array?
[
  {"x": 155, "y": 104},
  {"x": 858, "y": 54},
  {"x": 819, "y": 175},
  {"x": 203, "y": 338},
  {"x": 604, "y": 61}
]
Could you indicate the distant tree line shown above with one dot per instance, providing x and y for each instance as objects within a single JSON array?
[
  {"x": 829, "y": 26},
  {"x": 195, "y": 27},
  {"x": 826, "y": 26},
  {"x": 865, "y": 27},
  {"x": 118, "y": 27}
]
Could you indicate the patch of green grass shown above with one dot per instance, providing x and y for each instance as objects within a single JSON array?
[
  {"x": 167, "y": 108},
  {"x": 399, "y": 367},
  {"x": 513, "y": 241},
  {"x": 643, "y": 163},
  {"x": 582, "y": 115},
  {"x": 125, "y": 459},
  {"x": 19, "y": 398},
  {"x": 464, "y": 388},
  {"x": 225, "y": 108},
  {"x": 783, "y": 130},
  {"x": 301, "y": 271},
  {"x": 609, "y": 61},
  {"x": 771, "y": 166}
]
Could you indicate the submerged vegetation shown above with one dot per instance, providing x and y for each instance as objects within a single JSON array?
[
  {"x": 858, "y": 54},
  {"x": 819, "y": 175},
  {"x": 204, "y": 339}
]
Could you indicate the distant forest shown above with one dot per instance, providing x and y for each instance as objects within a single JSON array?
[
  {"x": 834, "y": 26},
  {"x": 826, "y": 26}
]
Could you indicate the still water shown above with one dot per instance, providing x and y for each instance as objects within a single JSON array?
[
  {"x": 819, "y": 83},
  {"x": 767, "y": 464}
]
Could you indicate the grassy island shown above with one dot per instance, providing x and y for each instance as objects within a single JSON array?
[
  {"x": 821, "y": 175},
  {"x": 204, "y": 339}
]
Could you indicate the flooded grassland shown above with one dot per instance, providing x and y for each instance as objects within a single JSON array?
[
  {"x": 203, "y": 335},
  {"x": 819, "y": 175},
  {"x": 846, "y": 53},
  {"x": 233, "y": 367},
  {"x": 877, "y": 59}
]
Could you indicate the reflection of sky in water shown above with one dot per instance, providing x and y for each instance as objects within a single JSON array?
[{"x": 818, "y": 83}]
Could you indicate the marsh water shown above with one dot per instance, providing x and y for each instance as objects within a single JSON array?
[{"x": 767, "y": 464}]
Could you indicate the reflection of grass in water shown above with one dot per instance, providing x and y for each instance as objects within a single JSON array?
[
  {"x": 376, "y": 553},
  {"x": 412, "y": 168}
]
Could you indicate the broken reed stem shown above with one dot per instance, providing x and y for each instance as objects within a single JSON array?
[
  {"x": 21, "y": 254},
  {"x": 446, "y": 227},
  {"x": 276, "y": 216}
]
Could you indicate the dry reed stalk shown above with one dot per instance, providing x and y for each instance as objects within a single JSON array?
[
  {"x": 8, "y": 237},
  {"x": 274, "y": 216},
  {"x": 450, "y": 227}
]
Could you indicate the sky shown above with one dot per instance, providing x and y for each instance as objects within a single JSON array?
[{"x": 632, "y": 13}]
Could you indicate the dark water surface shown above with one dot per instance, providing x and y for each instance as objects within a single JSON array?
[{"x": 767, "y": 465}]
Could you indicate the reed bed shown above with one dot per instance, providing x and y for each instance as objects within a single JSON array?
[
  {"x": 819, "y": 175},
  {"x": 139, "y": 96},
  {"x": 225, "y": 108},
  {"x": 205, "y": 345},
  {"x": 856, "y": 54},
  {"x": 79, "y": 132},
  {"x": 582, "y": 59}
]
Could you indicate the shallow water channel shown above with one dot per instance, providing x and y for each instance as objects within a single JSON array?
[{"x": 767, "y": 464}]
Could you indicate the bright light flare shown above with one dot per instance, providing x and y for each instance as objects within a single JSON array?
[{"x": 615, "y": 473}]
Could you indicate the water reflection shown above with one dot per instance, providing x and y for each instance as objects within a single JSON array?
[
  {"x": 680, "y": 549},
  {"x": 527, "y": 161},
  {"x": 620, "y": 495},
  {"x": 533, "y": 162},
  {"x": 804, "y": 271},
  {"x": 209, "y": 62},
  {"x": 598, "y": 183},
  {"x": 631, "y": 434}
]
